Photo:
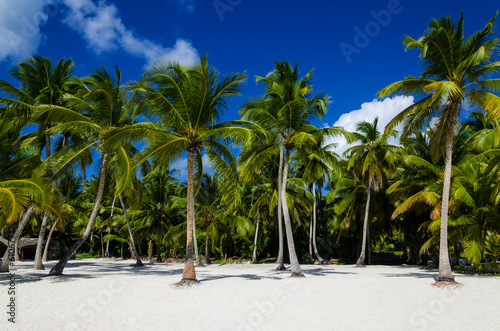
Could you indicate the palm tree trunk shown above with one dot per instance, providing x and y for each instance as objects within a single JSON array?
[
  {"x": 158, "y": 254},
  {"x": 320, "y": 259},
  {"x": 102, "y": 246},
  {"x": 109, "y": 230},
  {"x": 195, "y": 241},
  {"x": 279, "y": 261},
  {"x": 311, "y": 259},
  {"x": 362, "y": 256},
  {"x": 294, "y": 261},
  {"x": 121, "y": 250},
  {"x": 207, "y": 251},
  {"x": 16, "y": 250},
  {"x": 38, "y": 265},
  {"x": 254, "y": 256},
  {"x": 444, "y": 259},
  {"x": 15, "y": 238},
  {"x": 189, "y": 274},
  {"x": 138, "y": 262},
  {"x": 150, "y": 250},
  {"x": 59, "y": 267},
  {"x": 47, "y": 244}
]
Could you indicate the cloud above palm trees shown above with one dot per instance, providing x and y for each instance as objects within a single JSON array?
[
  {"x": 100, "y": 25},
  {"x": 385, "y": 110},
  {"x": 20, "y": 23}
]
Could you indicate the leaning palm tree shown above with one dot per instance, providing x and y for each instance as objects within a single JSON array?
[
  {"x": 457, "y": 72},
  {"x": 188, "y": 103},
  {"x": 372, "y": 162},
  {"x": 97, "y": 107}
]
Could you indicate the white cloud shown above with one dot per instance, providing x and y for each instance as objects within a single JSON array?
[
  {"x": 385, "y": 110},
  {"x": 20, "y": 22},
  {"x": 102, "y": 28},
  {"x": 183, "y": 6}
]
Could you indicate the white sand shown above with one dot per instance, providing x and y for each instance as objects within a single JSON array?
[{"x": 111, "y": 295}]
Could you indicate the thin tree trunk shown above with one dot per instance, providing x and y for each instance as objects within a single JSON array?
[
  {"x": 311, "y": 259},
  {"x": 38, "y": 265},
  {"x": 362, "y": 256},
  {"x": 320, "y": 259},
  {"x": 59, "y": 267},
  {"x": 207, "y": 251},
  {"x": 279, "y": 261},
  {"x": 150, "y": 250},
  {"x": 47, "y": 244},
  {"x": 189, "y": 273},
  {"x": 121, "y": 250},
  {"x": 445, "y": 274},
  {"x": 158, "y": 254},
  {"x": 16, "y": 250},
  {"x": 7, "y": 257},
  {"x": 254, "y": 257},
  {"x": 138, "y": 262},
  {"x": 294, "y": 261},
  {"x": 196, "y": 252},
  {"x": 110, "y": 221}
]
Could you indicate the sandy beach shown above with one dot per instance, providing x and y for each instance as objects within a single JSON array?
[{"x": 98, "y": 294}]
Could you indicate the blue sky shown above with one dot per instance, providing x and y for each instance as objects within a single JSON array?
[{"x": 238, "y": 35}]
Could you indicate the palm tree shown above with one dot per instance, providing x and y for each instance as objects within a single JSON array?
[
  {"x": 42, "y": 83},
  {"x": 285, "y": 113},
  {"x": 188, "y": 103},
  {"x": 456, "y": 73},
  {"x": 316, "y": 163},
  {"x": 94, "y": 110},
  {"x": 373, "y": 162}
]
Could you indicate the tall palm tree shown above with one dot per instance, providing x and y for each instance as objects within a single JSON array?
[
  {"x": 188, "y": 104},
  {"x": 373, "y": 162},
  {"x": 285, "y": 113},
  {"x": 97, "y": 107},
  {"x": 456, "y": 72}
]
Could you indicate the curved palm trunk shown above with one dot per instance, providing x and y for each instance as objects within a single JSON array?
[
  {"x": 294, "y": 261},
  {"x": 138, "y": 262},
  {"x": 15, "y": 238},
  {"x": 189, "y": 274},
  {"x": 47, "y": 244},
  {"x": 362, "y": 256},
  {"x": 279, "y": 261},
  {"x": 320, "y": 259},
  {"x": 59, "y": 267},
  {"x": 195, "y": 242},
  {"x": 444, "y": 259},
  {"x": 254, "y": 256},
  {"x": 38, "y": 265}
]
